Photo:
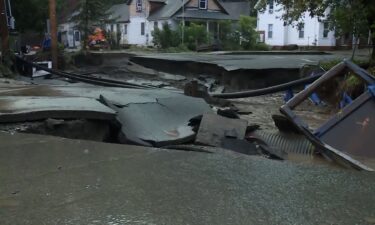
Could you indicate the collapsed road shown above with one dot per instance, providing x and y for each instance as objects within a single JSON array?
[
  {"x": 224, "y": 174},
  {"x": 161, "y": 118}
]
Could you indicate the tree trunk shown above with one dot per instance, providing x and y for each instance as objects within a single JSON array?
[
  {"x": 355, "y": 46},
  {"x": 4, "y": 33},
  {"x": 86, "y": 27},
  {"x": 372, "y": 59},
  {"x": 53, "y": 24}
]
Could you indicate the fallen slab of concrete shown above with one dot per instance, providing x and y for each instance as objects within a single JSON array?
[
  {"x": 21, "y": 109},
  {"x": 214, "y": 129},
  {"x": 161, "y": 122}
]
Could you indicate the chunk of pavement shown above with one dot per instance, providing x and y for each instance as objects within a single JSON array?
[
  {"x": 153, "y": 83},
  {"x": 240, "y": 146},
  {"x": 21, "y": 109},
  {"x": 167, "y": 76},
  {"x": 160, "y": 123},
  {"x": 229, "y": 113},
  {"x": 285, "y": 125},
  {"x": 214, "y": 128},
  {"x": 93, "y": 130}
]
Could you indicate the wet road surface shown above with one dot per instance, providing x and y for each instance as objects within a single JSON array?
[{"x": 48, "y": 180}]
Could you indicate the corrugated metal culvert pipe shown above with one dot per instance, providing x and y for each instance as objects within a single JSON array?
[{"x": 290, "y": 143}]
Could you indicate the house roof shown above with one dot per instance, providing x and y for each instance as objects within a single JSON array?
[
  {"x": 170, "y": 8},
  {"x": 119, "y": 13},
  {"x": 232, "y": 10},
  {"x": 236, "y": 9},
  {"x": 71, "y": 9},
  {"x": 201, "y": 14}
]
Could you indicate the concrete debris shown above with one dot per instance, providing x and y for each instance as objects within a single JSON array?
[
  {"x": 284, "y": 124},
  {"x": 21, "y": 109},
  {"x": 167, "y": 76},
  {"x": 152, "y": 83},
  {"x": 347, "y": 138},
  {"x": 161, "y": 122},
  {"x": 214, "y": 128},
  {"x": 94, "y": 130},
  {"x": 240, "y": 146}
]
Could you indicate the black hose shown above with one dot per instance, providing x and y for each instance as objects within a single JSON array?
[
  {"x": 87, "y": 79},
  {"x": 268, "y": 90}
]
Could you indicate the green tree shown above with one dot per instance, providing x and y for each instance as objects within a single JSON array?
[
  {"x": 32, "y": 15},
  {"x": 195, "y": 35},
  {"x": 247, "y": 32},
  {"x": 355, "y": 17},
  {"x": 91, "y": 13},
  {"x": 166, "y": 37}
]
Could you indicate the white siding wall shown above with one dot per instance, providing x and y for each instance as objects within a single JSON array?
[
  {"x": 310, "y": 35},
  {"x": 287, "y": 35},
  {"x": 68, "y": 30},
  {"x": 266, "y": 18},
  {"x": 134, "y": 31},
  {"x": 329, "y": 41}
]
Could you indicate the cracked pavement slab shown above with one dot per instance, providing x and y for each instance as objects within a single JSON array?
[
  {"x": 160, "y": 123},
  {"x": 22, "y": 109}
]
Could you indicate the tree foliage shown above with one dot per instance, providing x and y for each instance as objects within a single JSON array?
[
  {"x": 166, "y": 37},
  {"x": 247, "y": 32},
  {"x": 32, "y": 14}
]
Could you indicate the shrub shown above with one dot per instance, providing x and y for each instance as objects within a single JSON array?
[
  {"x": 195, "y": 35},
  {"x": 166, "y": 37},
  {"x": 247, "y": 32},
  {"x": 261, "y": 47}
]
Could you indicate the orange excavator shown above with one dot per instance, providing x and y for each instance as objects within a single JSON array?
[{"x": 98, "y": 40}]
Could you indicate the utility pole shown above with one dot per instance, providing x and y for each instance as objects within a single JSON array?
[
  {"x": 53, "y": 24},
  {"x": 5, "y": 50},
  {"x": 183, "y": 22}
]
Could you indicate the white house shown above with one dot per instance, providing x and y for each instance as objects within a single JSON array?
[
  {"x": 137, "y": 19},
  {"x": 134, "y": 21},
  {"x": 274, "y": 32},
  {"x": 69, "y": 35},
  {"x": 118, "y": 23}
]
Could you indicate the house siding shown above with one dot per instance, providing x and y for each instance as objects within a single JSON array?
[
  {"x": 289, "y": 35},
  {"x": 211, "y": 5},
  {"x": 67, "y": 32}
]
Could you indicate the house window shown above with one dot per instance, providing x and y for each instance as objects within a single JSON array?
[
  {"x": 138, "y": 6},
  {"x": 301, "y": 30},
  {"x": 271, "y": 5},
  {"x": 203, "y": 4},
  {"x": 325, "y": 29},
  {"x": 142, "y": 28},
  {"x": 270, "y": 31},
  {"x": 125, "y": 29},
  {"x": 155, "y": 25},
  {"x": 77, "y": 36}
]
